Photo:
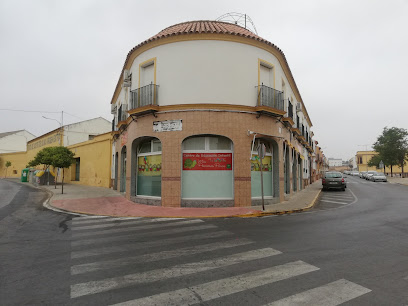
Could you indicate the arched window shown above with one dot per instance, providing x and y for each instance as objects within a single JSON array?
[
  {"x": 149, "y": 166},
  {"x": 207, "y": 168}
]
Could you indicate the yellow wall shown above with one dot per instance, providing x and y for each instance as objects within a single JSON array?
[
  {"x": 367, "y": 155},
  {"x": 95, "y": 162},
  {"x": 18, "y": 163},
  {"x": 51, "y": 139}
]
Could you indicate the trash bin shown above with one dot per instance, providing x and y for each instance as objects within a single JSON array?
[{"x": 24, "y": 175}]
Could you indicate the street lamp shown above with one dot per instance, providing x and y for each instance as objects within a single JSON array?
[{"x": 61, "y": 126}]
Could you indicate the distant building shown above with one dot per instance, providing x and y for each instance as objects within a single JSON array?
[
  {"x": 15, "y": 141},
  {"x": 335, "y": 162},
  {"x": 90, "y": 140}
]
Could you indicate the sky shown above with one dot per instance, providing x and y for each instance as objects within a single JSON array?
[{"x": 349, "y": 59}]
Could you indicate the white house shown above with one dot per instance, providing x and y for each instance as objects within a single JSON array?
[{"x": 15, "y": 141}]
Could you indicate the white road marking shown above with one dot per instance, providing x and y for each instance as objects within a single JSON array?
[
  {"x": 223, "y": 287},
  {"x": 93, "y": 287},
  {"x": 124, "y": 261},
  {"x": 132, "y": 228},
  {"x": 332, "y": 294},
  {"x": 116, "y": 221},
  {"x": 147, "y": 244},
  {"x": 165, "y": 232},
  {"x": 328, "y": 201}
]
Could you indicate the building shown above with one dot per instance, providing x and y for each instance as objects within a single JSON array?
[
  {"x": 335, "y": 162},
  {"x": 192, "y": 106},
  {"x": 90, "y": 140},
  {"x": 363, "y": 157},
  {"x": 15, "y": 141}
]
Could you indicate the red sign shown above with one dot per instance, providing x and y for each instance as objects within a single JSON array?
[{"x": 207, "y": 161}]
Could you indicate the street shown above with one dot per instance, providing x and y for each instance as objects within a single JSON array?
[{"x": 351, "y": 248}]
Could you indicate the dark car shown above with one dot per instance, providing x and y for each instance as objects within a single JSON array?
[{"x": 333, "y": 180}]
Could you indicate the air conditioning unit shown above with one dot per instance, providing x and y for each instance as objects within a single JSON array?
[
  {"x": 113, "y": 109},
  {"x": 298, "y": 107},
  {"x": 125, "y": 75}
]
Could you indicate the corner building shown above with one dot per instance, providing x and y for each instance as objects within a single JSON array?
[{"x": 192, "y": 105}]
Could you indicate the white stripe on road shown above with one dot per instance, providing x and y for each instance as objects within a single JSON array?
[
  {"x": 148, "y": 244},
  {"x": 332, "y": 294},
  {"x": 165, "y": 232},
  {"x": 93, "y": 287},
  {"x": 124, "y": 261},
  {"x": 117, "y": 221},
  {"x": 343, "y": 203},
  {"x": 132, "y": 228},
  {"x": 98, "y": 219},
  {"x": 227, "y": 286}
]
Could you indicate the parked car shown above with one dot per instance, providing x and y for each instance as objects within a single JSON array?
[
  {"x": 378, "y": 177},
  {"x": 355, "y": 173},
  {"x": 362, "y": 174},
  {"x": 334, "y": 180},
  {"x": 369, "y": 174}
]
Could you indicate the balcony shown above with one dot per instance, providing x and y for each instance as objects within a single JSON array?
[
  {"x": 289, "y": 115},
  {"x": 270, "y": 101},
  {"x": 144, "y": 100},
  {"x": 122, "y": 115}
]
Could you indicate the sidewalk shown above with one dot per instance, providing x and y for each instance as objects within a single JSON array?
[
  {"x": 398, "y": 180},
  {"x": 80, "y": 199}
]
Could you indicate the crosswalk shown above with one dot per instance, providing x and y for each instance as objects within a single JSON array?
[
  {"x": 140, "y": 261},
  {"x": 335, "y": 199}
]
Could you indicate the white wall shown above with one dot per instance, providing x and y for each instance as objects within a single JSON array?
[
  {"x": 79, "y": 132},
  {"x": 208, "y": 72},
  {"x": 335, "y": 162},
  {"x": 15, "y": 142}
]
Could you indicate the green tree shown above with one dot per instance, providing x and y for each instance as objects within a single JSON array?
[
  {"x": 392, "y": 146},
  {"x": 8, "y": 164},
  {"x": 62, "y": 158},
  {"x": 375, "y": 161},
  {"x": 58, "y": 157}
]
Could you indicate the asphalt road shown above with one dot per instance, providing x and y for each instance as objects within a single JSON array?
[{"x": 352, "y": 249}]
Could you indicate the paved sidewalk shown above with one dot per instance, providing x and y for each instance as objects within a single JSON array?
[
  {"x": 80, "y": 199},
  {"x": 398, "y": 180}
]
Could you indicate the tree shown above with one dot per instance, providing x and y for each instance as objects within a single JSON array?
[
  {"x": 8, "y": 164},
  {"x": 392, "y": 146},
  {"x": 62, "y": 158},
  {"x": 58, "y": 157},
  {"x": 375, "y": 161}
]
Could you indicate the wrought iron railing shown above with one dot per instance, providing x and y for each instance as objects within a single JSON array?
[
  {"x": 122, "y": 115},
  {"x": 143, "y": 96},
  {"x": 271, "y": 97},
  {"x": 290, "y": 110}
]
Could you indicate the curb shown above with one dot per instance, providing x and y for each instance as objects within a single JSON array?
[{"x": 253, "y": 215}]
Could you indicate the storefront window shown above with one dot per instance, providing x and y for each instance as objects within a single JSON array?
[
  {"x": 207, "y": 168},
  {"x": 256, "y": 190},
  {"x": 149, "y": 162}
]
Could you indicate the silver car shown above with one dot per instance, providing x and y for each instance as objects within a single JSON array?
[{"x": 378, "y": 177}]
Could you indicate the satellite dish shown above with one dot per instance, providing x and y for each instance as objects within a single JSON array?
[{"x": 242, "y": 20}]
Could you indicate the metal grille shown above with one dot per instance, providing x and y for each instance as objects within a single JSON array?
[
  {"x": 290, "y": 110},
  {"x": 270, "y": 97},
  {"x": 143, "y": 96}
]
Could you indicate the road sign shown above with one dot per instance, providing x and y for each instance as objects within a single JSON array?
[{"x": 381, "y": 165}]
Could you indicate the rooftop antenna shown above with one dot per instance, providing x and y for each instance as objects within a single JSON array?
[{"x": 242, "y": 20}]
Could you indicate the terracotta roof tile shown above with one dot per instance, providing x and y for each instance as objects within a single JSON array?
[{"x": 205, "y": 26}]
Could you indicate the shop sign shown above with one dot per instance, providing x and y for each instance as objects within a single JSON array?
[
  {"x": 167, "y": 126},
  {"x": 149, "y": 165},
  {"x": 207, "y": 161},
  {"x": 256, "y": 163},
  {"x": 123, "y": 139}
]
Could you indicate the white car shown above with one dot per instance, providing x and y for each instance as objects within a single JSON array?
[{"x": 378, "y": 177}]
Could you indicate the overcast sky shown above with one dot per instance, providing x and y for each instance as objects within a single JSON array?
[{"x": 349, "y": 59}]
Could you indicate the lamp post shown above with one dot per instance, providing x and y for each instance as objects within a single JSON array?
[{"x": 60, "y": 143}]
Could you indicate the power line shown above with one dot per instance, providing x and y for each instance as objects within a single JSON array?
[{"x": 27, "y": 111}]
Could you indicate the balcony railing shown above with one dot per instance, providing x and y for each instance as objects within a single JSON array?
[
  {"x": 143, "y": 96},
  {"x": 290, "y": 110},
  {"x": 122, "y": 115},
  {"x": 271, "y": 97}
]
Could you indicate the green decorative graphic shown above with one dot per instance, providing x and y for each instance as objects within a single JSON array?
[{"x": 188, "y": 163}]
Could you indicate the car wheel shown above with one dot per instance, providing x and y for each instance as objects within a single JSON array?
[{"x": 344, "y": 189}]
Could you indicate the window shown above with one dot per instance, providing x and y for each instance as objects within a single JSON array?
[
  {"x": 149, "y": 161},
  {"x": 207, "y": 169},
  {"x": 256, "y": 191}
]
